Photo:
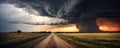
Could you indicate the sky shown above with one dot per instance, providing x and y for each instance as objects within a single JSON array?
[{"x": 50, "y": 15}]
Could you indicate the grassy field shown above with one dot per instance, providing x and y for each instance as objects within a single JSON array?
[
  {"x": 80, "y": 40},
  {"x": 92, "y": 40},
  {"x": 22, "y": 40}
]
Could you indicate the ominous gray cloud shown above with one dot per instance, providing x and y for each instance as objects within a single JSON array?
[
  {"x": 14, "y": 14},
  {"x": 85, "y": 12},
  {"x": 81, "y": 12},
  {"x": 48, "y": 7},
  {"x": 11, "y": 13}
]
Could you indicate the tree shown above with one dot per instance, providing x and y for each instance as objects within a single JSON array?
[{"x": 19, "y": 31}]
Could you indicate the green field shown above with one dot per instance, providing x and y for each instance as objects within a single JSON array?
[
  {"x": 92, "y": 40},
  {"x": 22, "y": 40}
]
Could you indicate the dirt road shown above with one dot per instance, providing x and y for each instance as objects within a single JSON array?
[{"x": 53, "y": 41}]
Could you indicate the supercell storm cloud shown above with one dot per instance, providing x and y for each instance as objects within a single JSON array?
[{"x": 86, "y": 14}]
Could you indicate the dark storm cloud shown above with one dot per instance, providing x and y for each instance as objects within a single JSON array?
[
  {"x": 100, "y": 8},
  {"x": 85, "y": 12},
  {"x": 15, "y": 15},
  {"x": 82, "y": 12},
  {"x": 72, "y": 9},
  {"x": 46, "y": 7},
  {"x": 30, "y": 9},
  {"x": 91, "y": 9}
]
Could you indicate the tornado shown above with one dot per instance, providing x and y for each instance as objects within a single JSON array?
[{"x": 87, "y": 25}]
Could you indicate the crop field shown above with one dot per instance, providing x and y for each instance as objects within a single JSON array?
[
  {"x": 92, "y": 40},
  {"x": 22, "y": 40},
  {"x": 57, "y": 40}
]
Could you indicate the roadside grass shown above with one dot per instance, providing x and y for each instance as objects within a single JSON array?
[
  {"x": 13, "y": 40},
  {"x": 89, "y": 43},
  {"x": 31, "y": 44}
]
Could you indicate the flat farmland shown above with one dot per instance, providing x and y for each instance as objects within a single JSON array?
[
  {"x": 59, "y": 40},
  {"x": 92, "y": 40},
  {"x": 21, "y": 40}
]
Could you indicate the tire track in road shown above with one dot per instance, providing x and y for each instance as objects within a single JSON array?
[{"x": 53, "y": 41}]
